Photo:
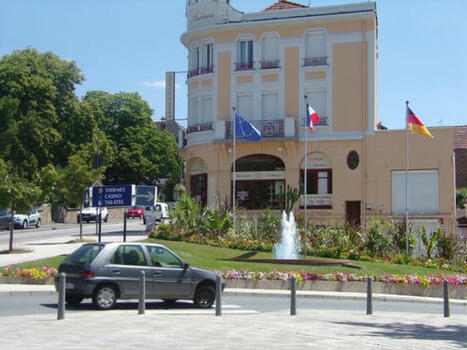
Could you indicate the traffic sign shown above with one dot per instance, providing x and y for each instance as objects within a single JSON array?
[
  {"x": 112, "y": 196},
  {"x": 146, "y": 196}
]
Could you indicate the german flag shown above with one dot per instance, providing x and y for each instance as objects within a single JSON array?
[{"x": 415, "y": 125}]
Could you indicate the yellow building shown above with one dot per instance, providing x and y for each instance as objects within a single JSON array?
[{"x": 264, "y": 64}]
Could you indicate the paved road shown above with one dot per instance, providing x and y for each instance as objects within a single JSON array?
[
  {"x": 60, "y": 230},
  {"x": 46, "y": 304}
]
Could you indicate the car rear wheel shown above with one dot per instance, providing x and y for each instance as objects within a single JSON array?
[
  {"x": 38, "y": 223},
  {"x": 73, "y": 300},
  {"x": 24, "y": 225},
  {"x": 105, "y": 297},
  {"x": 78, "y": 219},
  {"x": 106, "y": 218},
  {"x": 205, "y": 296}
]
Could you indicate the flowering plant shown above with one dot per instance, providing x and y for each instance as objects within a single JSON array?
[
  {"x": 38, "y": 274},
  {"x": 301, "y": 276}
]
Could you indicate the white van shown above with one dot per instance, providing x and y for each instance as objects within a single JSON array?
[{"x": 160, "y": 213}]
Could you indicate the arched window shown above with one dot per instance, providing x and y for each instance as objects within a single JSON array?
[{"x": 260, "y": 182}]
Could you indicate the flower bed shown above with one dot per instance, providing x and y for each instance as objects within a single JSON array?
[
  {"x": 43, "y": 274},
  {"x": 424, "y": 281}
]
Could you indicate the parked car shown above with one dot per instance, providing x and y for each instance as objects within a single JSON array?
[
  {"x": 135, "y": 212},
  {"x": 32, "y": 218},
  {"x": 91, "y": 214},
  {"x": 106, "y": 272},
  {"x": 160, "y": 212},
  {"x": 5, "y": 217}
]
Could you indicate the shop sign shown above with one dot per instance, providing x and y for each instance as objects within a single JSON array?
[
  {"x": 316, "y": 200},
  {"x": 317, "y": 161},
  {"x": 260, "y": 175}
]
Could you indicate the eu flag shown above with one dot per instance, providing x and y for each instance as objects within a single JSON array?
[{"x": 246, "y": 130}]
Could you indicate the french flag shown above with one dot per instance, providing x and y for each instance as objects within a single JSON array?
[{"x": 312, "y": 118}]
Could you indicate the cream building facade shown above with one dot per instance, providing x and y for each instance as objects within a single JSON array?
[{"x": 264, "y": 64}]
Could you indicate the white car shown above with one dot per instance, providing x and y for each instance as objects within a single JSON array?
[
  {"x": 90, "y": 214},
  {"x": 32, "y": 218},
  {"x": 159, "y": 213}
]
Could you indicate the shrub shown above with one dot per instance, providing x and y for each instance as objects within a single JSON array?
[
  {"x": 185, "y": 214},
  {"x": 461, "y": 198},
  {"x": 377, "y": 241},
  {"x": 447, "y": 246},
  {"x": 430, "y": 242}
]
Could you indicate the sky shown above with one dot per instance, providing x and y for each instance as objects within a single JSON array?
[{"x": 128, "y": 45}]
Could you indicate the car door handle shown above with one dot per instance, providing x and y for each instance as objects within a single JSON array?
[
  {"x": 116, "y": 272},
  {"x": 157, "y": 274}
]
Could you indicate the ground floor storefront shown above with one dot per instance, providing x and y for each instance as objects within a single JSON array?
[{"x": 346, "y": 180}]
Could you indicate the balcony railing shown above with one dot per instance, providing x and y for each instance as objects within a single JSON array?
[
  {"x": 270, "y": 64},
  {"x": 244, "y": 66},
  {"x": 315, "y": 61},
  {"x": 207, "y": 69},
  {"x": 199, "y": 71},
  {"x": 268, "y": 128},
  {"x": 200, "y": 127},
  {"x": 323, "y": 121}
]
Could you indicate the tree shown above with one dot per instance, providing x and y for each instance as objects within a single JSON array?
[
  {"x": 78, "y": 176},
  {"x": 39, "y": 111},
  {"x": 142, "y": 154},
  {"x": 16, "y": 193}
]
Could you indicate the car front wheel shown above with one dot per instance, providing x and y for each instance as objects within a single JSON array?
[
  {"x": 205, "y": 296},
  {"x": 105, "y": 297},
  {"x": 25, "y": 225}
]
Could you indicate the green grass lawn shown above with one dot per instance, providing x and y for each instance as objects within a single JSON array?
[{"x": 213, "y": 258}]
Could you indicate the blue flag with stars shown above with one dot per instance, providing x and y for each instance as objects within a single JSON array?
[{"x": 246, "y": 130}]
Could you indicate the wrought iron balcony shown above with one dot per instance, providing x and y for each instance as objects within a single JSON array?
[
  {"x": 315, "y": 61},
  {"x": 239, "y": 66},
  {"x": 193, "y": 73},
  {"x": 206, "y": 70},
  {"x": 200, "y": 127},
  {"x": 270, "y": 64},
  {"x": 268, "y": 128},
  {"x": 323, "y": 121}
]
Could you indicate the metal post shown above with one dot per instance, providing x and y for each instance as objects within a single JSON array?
[
  {"x": 100, "y": 227},
  {"x": 407, "y": 177},
  {"x": 305, "y": 180},
  {"x": 446, "y": 299},
  {"x": 218, "y": 295},
  {"x": 142, "y": 294},
  {"x": 293, "y": 297},
  {"x": 234, "y": 180},
  {"x": 61, "y": 297},
  {"x": 124, "y": 226},
  {"x": 369, "y": 297}
]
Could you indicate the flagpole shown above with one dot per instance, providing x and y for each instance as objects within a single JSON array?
[
  {"x": 407, "y": 177},
  {"x": 305, "y": 178},
  {"x": 234, "y": 170}
]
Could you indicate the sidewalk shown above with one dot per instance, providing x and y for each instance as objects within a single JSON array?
[{"x": 124, "y": 329}]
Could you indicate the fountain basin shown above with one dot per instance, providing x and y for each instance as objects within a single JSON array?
[{"x": 312, "y": 261}]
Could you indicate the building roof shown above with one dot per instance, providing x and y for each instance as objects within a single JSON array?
[
  {"x": 460, "y": 137},
  {"x": 284, "y": 5}
]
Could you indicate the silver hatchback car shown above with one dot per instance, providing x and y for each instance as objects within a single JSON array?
[{"x": 106, "y": 272}]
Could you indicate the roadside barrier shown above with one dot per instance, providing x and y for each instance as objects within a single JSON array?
[
  {"x": 61, "y": 297},
  {"x": 142, "y": 294},
  {"x": 293, "y": 297},
  {"x": 369, "y": 297},
  {"x": 445, "y": 299},
  {"x": 218, "y": 295}
]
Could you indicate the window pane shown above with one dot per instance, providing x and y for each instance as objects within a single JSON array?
[
  {"x": 163, "y": 258},
  {"x": 260, "y": 194},
  {"x": 316, "y": 45},
  {"x": 85, "y": 254},
  {"x": 129, "y": 255},
  {"x": 250, "y": 51}
]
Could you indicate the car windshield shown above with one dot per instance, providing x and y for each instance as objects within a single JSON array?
[
  {"x": 85, "y": 254},
  {"x": 4, "y": 212}
]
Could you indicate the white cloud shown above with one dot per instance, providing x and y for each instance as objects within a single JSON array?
[{"x": 158, "y": 84}]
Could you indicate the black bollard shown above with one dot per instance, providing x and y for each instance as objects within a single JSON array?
[
  {"x": 61, "y": 297},
  {"x": 100, "y": 227},
  {"x": 445, "y": 299},
  {"x": 142, "y": 294},
  {"x": 218, "y": 295},
  {"x": 124, "y": 226},
  {"x": 369, "y": 297},
  {"x": 293, "y": 297}
]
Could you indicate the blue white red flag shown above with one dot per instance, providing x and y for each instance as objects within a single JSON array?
[{"x": 312, "y": 118}]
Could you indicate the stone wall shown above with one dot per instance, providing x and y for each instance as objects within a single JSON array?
[
  {"x": 72, "y": 213},
  {"x": 45, "y": 211}
]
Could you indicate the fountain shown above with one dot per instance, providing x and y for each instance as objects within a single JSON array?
[{"x": 289, "y": 246}]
